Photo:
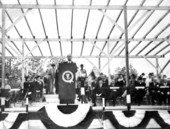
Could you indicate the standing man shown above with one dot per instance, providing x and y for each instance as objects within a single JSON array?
[
  {"x": 51, "y": 73},
  {"x": 66, "y": 80},
  {"x": 81, "y": 77}
]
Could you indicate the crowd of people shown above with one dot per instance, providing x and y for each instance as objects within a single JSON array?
[
  {"x": 155, "y": 90},
  {"x": 91, "y": 88}
]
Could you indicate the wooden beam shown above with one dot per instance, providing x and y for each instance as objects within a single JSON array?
[
  {"x": 168, "y": 51},
  {"x": 112, "y": 21},
  {"x": 58, "y": 33},
  {"x": 127, "y": 59},
  {"x": 86, "y": 39},
  {"x": 91, "y": 62},
  {"x": 163, "y": 48},
  {"x": 129, "y": 31},
  {"x": 87, "y": 19},
  {"x": 43, "y": 25},
  {"x": 138, "y": 20},
  {"x": 99, "y": 63},
  {"x": 72, "y": 15},
  {"x": 157, "y": 67},
  {"x": 148, "y": 32},
  {"x": 9, "y": 45},
  {"x": 22, "y": 10},
  {"x": 167, "y": 26},
  {"x": 165, "y": 66},
  {"x": 7, "y": 50},
  {"x": 138, "y": 28},
  {"x": 117, "y": 19},
  {"x": 132, "y": 26},
  {"x": 37, "y": 45},
  {"x": 17, "y": 20},
  {"x": 98, "y": 30},
  {"x": 154, "y": 27},
  {"x": 13, "y": 25},
  {"x": 3, "y": 48},
  {"x": 108, "y": 53},
  {"x": 97, "y": 47},
  {"x": 93, "y": 7},
  {"x": 97, "y": 56},
  {"x": 23, "y": 65},
  {"x": 150, "y": 62}
]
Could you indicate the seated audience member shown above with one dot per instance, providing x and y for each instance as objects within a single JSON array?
[
  {"x": 114, "y": 93},
  {"x": 16, "y": 84},
  {"x": 93, "y": 91},
  {"x": 8, "y": 88},
  {"x": 143, "y": 77},
  {"x": 153, "y": 90},
  {"x": 97, "y": 90},
  {"x": 39, "y": 85},
  {"x": 120, "y": 82},
  {"x": 132, "y": 82},
  {"x": 149, "y": 79},
  {"x": 33, "y": 88},
  {"x": 106, "y": 87},
  {"x": 100, "y": 89},
  {"x": 16, "y": 87},
  {"x": 47, "y": 83},
  {"x": 27, "y": 88},
  {"x": 139, "y": 92},
  {"x": 163, "y": 91},
  {"x": 87, "y": 90}
]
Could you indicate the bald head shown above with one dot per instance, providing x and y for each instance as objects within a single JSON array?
[{"x": 69, "y": 57}]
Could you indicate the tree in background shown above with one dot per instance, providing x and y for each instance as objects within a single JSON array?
[
  {"x": 132, "y": 71},
  {"x": 32, "y": 66}
]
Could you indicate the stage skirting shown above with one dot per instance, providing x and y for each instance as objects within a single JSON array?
[{"x": 83, "y": 117}]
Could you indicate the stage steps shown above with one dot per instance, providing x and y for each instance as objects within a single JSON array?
[{"x": 52, "y": 98}]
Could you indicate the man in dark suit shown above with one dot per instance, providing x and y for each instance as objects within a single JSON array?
[
  {"x": 163, "y": 92},
  {"x": 153, "y": 90},
  {"x": 66, "y": 80},
  {"x": 139, "y": 93}
]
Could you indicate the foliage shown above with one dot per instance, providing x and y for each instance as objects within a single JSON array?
[
  {"x": 123, "y": 71},
  {"x": 31, "y": 65}
]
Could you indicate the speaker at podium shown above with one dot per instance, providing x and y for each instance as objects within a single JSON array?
[{"x": 66, "y": 76}]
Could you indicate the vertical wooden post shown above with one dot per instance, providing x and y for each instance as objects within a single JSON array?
[
  {"x": 10, "y": 66},
  {"x": 23, "y": 65},
  {"x": 127, "y": 59},
  {"x": 99, "y": 59},
  {"x": 157, "y": 68},
  {"x": 108, "y": 57},
  {"x": 3, "y": 47}
]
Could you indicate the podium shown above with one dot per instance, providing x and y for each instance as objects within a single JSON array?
[{"x": 66, "y": 82}]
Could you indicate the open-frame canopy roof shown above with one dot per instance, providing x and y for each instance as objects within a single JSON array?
[{"x": 85, "y": 27}]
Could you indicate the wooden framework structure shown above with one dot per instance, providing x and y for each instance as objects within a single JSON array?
[{"x": 116, "y": 47}]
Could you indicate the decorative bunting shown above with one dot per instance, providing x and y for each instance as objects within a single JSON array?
[
  {"x": 129, "y": 121},
  {"x": 165, "y": 116},
  {"x": 82, "y": 116},
  {"x": 72, "y": 119},
  {"x": 10, "y": 120}
]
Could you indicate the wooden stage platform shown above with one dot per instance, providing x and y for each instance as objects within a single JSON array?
[
  {"x": 52, "y": 115},
  {"x": 44, "y": 116}
]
